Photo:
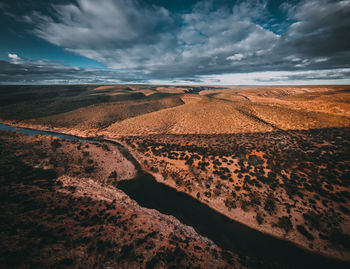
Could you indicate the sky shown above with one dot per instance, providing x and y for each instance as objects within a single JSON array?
[{"x": 222, "y": 42}]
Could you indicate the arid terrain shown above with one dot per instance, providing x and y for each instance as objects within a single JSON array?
[
  {"x": 295, "y": 186},
  {"x": 276, "y": 159},
  {"x": 59, "y": 208}
]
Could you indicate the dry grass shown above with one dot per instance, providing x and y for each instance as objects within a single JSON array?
[
  {"x": 100, "y": 116},
  {"x": 205, "y": 115},
  {"x": 143, "y": 109},
  {"x": 245, "y": 110}
]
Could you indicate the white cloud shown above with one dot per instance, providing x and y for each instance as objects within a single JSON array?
[
  {"x": 320, "y": 60},
  {"x": 235, "y": 57},
  {"x": 331, "y": 76},
  {"x": 14, "y": 57},
  {"x": 130, "y": 35}
]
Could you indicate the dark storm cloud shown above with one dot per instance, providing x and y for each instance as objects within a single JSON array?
[
  {"x": 24, "y": 71},
  {"x": 147, "y": 41},
  {"x": 321, "y": 31},
  {"x": 21, "y": 71}
]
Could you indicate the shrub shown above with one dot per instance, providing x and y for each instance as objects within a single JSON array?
[
  {"x": 89, "y": 169},
  {"x": 113, "y": 175},
  {"x": 244, "y": 205},
  {"x": 105, "y": 147},
  {"x": 154, "y": 169},
  {"x": 259, "y": 218},
  {"x": 285, "y": 223},
  {"x": 304, "y": 232},
  {"x": 55, "y": 144},
  {"x": 217, "y": 192},
  {"x": 313, "y": 219},
  {"x": 230, "y": 203},
  {"x": 270, "y": 205},
  {"x": 254, "y": 198},
  {"x": 344, "y": 209},
  {"x": 66, "y": 262},
  {"x": 207, "y": 194},
  {"x": 337, "y": 237}
]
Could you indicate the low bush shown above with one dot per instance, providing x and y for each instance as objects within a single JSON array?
[
  {"x": 285, "y": 224},
  {"x": 301, "y": 229},
  {"x": 259, "y": 218}
]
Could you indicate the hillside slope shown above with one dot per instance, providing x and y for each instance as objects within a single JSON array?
[{"x": 102, "y": 115}]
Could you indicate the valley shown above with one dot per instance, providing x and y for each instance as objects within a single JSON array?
[{"x": 275, "y": 159}]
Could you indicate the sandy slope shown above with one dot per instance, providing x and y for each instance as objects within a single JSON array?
[
  {"x": 233, "y": 111},
  {"x": 204, "y": 115}
]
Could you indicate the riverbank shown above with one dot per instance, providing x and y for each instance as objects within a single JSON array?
[
  {"x": 242, "y": 218},
  {"x": 56, "y": 213},
  {"x": 164, "y": 175}
]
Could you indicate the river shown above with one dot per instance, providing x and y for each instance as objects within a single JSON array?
[{"x": 226, "y": 233}]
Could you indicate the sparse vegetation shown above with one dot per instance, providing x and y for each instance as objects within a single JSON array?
[
  {"x": 50, "y": 218},
  {"x": 282, "y": 155},
  {"x": 281, "y": 179}
]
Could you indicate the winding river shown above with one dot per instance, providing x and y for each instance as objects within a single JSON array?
[{"x": 226, "y": 233}]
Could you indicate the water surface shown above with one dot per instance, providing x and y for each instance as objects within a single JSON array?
[{"x": 226, "y": 233}]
